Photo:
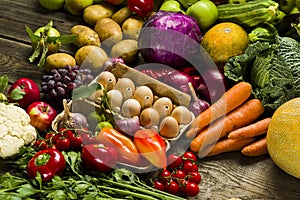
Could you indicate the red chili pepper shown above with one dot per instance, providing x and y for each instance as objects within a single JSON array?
[
  {"x": 97, "y": 157},
  {"x": 48, "y": 163},
  {"x": 152, "y": 146},
  {"x": 143, "y": 8},
  {"x": 124, "y": 145}
]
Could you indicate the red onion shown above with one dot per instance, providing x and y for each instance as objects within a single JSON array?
[
  {"x": 170, "y": 76},
  {"x": 212, "y": 85},
  {"x": 179, "y": 80},
  {"x": 112, "y": 62},
  {"x": 155, "y": 71},
  {"x": 129, "y": 125}
]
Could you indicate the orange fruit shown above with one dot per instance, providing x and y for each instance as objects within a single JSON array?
[
  {"x": 283, "y": 137},
  {"x": 225, "y": 40}
]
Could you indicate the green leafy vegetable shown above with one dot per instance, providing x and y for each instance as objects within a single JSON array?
[
  {"x": 272, "y": 68},
  {"x": 75, "y": 183}
]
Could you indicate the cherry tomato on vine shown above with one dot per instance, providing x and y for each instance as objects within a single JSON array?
[
  {"x": 172, "y": 187},
  {"x": 143, "y": 8},
  {"x": 191, "y": 189},
  {"x": 194, "y": 177},
  {"x": 41, "y": 144},
  {"x": 62, "y": 143},
  {"x": 174, "y": 161},
  {"x": 189, "y": 156},
  {"x": 159, "y": 185},
  {"x": 178, "y": 174},
  {"x": 51, "y": 137},
  {"x": 164, "y": 176},
  {"x": 190, "y": 167},
  {"x": 75, "y": 139}
]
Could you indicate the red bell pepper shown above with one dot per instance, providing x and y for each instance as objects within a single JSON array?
[
  {"x": 143, "y": 8},
  {"x": 151, "y": 146},
  {"x": 48, "y": 163},
  {"x": 123, "y": 144},
  {"x": 97, "y": 157}
]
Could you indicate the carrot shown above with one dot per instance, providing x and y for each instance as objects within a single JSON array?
[
  {"x": 230, "y": 100},
  {"x": 228, "y": 145},
  {"x": 258, "y": 128},
  {"x": 241, "y": 116},
  {"x": 257, "y": 148}
]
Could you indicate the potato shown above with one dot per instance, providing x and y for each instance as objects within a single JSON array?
[
  {"x": 132, "y": 26},
  {"x": 121, "y": 15},
  {"x": 93, "y": 13},
  {"x": 58, "y": 60},
  {"x": 126, "y": 49},
  {"x": 91, "y": 57},
  {"x": 109, "y": 31},
  {"x": 85, "y": 36}
]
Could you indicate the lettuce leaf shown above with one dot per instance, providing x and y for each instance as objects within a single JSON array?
[{"x": 272, "y": 69}]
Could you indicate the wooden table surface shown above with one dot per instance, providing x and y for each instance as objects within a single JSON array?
[{"x": 224, "y": 176}]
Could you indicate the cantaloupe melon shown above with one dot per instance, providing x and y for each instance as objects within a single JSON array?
[{"x": 283, "y": 137}]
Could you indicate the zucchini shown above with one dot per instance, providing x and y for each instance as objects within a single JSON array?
[
  {"x": 265, "y": 32},
  {"x": 248, "y": 14}
]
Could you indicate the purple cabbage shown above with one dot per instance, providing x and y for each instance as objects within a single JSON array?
[{"x": 169, "y": 38}]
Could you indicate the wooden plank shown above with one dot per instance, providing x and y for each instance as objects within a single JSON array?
[{"x": 14, "y": 62}]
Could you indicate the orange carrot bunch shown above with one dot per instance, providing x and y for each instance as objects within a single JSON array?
[{"x": 233, "y": 123}]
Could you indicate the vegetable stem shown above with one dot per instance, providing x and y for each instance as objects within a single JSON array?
[
  {"x": 126, "y": 192},
  {"x": 162, "y": 195}
]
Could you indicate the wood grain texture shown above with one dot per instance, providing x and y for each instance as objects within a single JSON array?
[{"x": 224, "y": 176}]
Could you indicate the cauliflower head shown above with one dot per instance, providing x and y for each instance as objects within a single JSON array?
[{"x": 15, "y": 130}]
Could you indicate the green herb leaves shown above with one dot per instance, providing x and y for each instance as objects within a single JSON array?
[{"x": 46, "y": 40}]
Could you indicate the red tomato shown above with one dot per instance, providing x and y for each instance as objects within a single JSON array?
[
  {"x": 178, "y": 174},
  {"x": 194, "y": 177},
  {"x": 159, "y": 185},
  {"x": 86, "y": 136},
  {"x": 174, "y": 161},
  {"x": 51, "y": 137},
  {"x": 164, "y": 176},
  {"x": 75, "y": 139},
  {"x": 190, "y": 167},
  {"x": 41, "y": 144},
  {"x": 62, "y": 143},
  {"x": 189, "y": 156},
  {"x": 191, "y": 189},
  {"x": 172, "y": 187}
]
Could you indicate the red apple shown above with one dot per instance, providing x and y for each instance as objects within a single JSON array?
[
  {"x": 41, "y": 115},
  {"x": 114, "y": 2},
  {"x": 24, "y": 92}
]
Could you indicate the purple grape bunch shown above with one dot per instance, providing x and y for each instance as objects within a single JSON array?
[{"x": 58, "y": 84}]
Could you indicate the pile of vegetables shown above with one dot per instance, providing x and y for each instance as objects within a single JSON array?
[
  {"x": 75, "y": 161},
  {"x": 76, "y": 183}
]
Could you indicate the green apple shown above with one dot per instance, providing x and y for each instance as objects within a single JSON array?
[
  {"x": 75, "y": 7},
  {"x": 187, "y": 3},
  {"x": 205, "y": 12},
  {"x": 52, "y": 4},
  {"x": 171, "y": 6}
]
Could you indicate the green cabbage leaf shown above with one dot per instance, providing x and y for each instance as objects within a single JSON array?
[{"x": 273, "y": 69}]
